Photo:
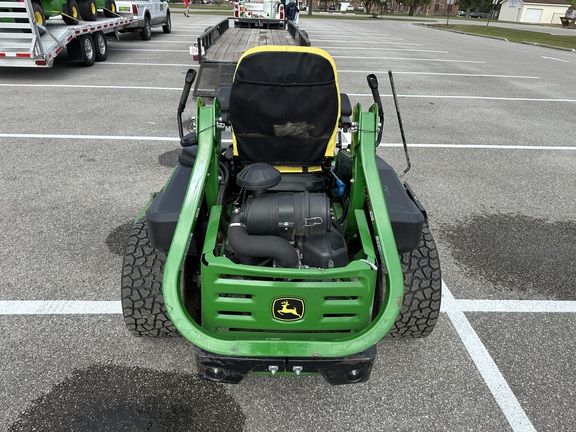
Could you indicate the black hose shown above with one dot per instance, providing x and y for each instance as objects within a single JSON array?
[{"x": 261, "y": 246}]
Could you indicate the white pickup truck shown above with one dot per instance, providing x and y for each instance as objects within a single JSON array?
[{"x": 146, "y": 14}]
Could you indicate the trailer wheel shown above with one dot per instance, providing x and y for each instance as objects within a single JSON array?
[
  {"x": 88, "y": 10},
  {"x": 87, "y": 50},
  {"x": 110, "y": 9},
  {"x": 146, "y": 32},
  {"x": 422, "y": 289},
  {"x": 142, "y": 300},
  {"x": 72, "y": 14},
  {"x": 101, "y": 46},
  {"x": 167, "y": 28}
]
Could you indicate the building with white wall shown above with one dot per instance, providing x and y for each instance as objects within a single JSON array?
[{"x": 533, "y": 11}]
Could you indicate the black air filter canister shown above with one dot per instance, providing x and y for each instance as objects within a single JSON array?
[{"x": 288, "y": 214}]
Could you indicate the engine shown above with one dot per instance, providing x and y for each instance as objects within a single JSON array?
[{"x": 286, "y": 229}]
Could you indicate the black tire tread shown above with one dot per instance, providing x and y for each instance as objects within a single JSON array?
[
  {"x": 146, "y": 32},
  {"x": 167, "y": 27},
  {"x": 85, "y": 8},
  {"x": 422, "y": 290},
  {"x": 69, "y": 17},
  {"x": 100, "y": 56},
  {"x": 110, "y": 10},
  {"x": 142, "y": 300}
]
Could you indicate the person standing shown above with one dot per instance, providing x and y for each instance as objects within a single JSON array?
[
  {"x": 186, "y": 8},
  {"x": 291, "y": 11}
]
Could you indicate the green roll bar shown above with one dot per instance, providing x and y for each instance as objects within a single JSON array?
[{"x": 366, "y": 186}]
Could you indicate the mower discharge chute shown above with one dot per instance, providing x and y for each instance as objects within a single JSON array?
[{"x": 283, "y": 253}]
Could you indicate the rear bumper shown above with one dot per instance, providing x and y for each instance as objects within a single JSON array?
[
  {"x": 351, "y": 369},
  {"x": 135, "y": 25}
]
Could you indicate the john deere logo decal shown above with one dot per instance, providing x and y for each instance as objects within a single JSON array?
[{"x": 288, "y": 309}]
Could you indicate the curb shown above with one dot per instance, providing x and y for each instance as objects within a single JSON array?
[{"x": 549, "y": 46}]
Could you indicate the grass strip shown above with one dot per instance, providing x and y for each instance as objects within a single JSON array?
[{"x": 515, "y": 35}]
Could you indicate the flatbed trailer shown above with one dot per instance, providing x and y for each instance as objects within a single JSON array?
[
  {"x": 25, "y": 43},
  {"x": 220, "y": 47}
]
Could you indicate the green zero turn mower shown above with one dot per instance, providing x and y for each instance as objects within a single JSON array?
[{"x": 283, "y": 253}]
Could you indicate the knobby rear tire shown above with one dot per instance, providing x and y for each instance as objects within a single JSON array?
[
  {"x": 142, "y": 272},
  {"x": 422, "y": 290}
]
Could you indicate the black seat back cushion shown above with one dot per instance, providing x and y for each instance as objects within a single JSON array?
[{"x": 284, "y": 107}]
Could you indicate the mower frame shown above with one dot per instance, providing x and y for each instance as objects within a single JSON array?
[{"x": 365, "y": 188}]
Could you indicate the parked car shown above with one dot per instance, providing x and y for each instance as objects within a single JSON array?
[
  {"x": 461, "y": 13},
  {"x": 147, "y": 14},
  {"x": 476, "y": 15},
  {"x": 349, "y": 8}
]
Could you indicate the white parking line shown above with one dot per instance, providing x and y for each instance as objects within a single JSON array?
[
  {"x": 59, "y": 307},
  {"x": 481, "y": 146},
  {"x": 443, "y": 74},
  {"x": 345, "y": 135},
  {"x": 556, "y": 59},
  {"x": 332, "y": 49},
  {"x": 110, "y": 63},
  {"x": 409, "y": 59},
  {"x": 488, "y": 369},
  {"x": 147, "y": 50},
  {"x": 487, "y": 98},
  {"x": 513, "y": 306},
  {"x": 91, "y": 137},
  {"x": 376, "y": 41},
  {"x": 92, "y": 86}
]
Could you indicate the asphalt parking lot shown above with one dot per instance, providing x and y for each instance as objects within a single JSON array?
[{"x": 490, "y": 126}]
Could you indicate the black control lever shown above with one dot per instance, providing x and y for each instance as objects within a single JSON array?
[
  {"x": 395, "y": 96},
  {"x": 373, "y": 84},
  {"x": 190, "y": 138}
]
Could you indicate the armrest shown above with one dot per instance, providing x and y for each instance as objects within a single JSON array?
[
  {"x": 345, "y": 112},
  {"x": 224, "y": 98}
]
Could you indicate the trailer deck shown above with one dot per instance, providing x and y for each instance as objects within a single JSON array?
[
  {"x": 220, "y": 47},
  {"x": 232, "y": 44}
]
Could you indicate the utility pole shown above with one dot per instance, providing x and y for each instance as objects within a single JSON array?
[
  {"x": 449, "y": 4},
  {"x": 494, "y": 3}
]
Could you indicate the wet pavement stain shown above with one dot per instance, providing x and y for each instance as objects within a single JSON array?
[
  {"x": 169, "y": 159},
  {"x": 116, "y": 240},
  {"x": 519, "y": 253},
  {"x": 112, "y": 398}
]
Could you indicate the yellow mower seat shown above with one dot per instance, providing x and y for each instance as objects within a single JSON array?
[{"x": 285, "y": 107}]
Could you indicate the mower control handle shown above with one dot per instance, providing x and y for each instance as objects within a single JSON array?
[
  {"x": 190, "y": 77},
  {"x": 373, "y": 84},
  {"x": 372, "y": 81}
]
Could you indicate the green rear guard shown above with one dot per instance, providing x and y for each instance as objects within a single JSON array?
[{"x": 237, "y": 313}]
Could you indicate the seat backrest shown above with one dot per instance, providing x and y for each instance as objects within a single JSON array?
[{"x": 284, "y": 106}]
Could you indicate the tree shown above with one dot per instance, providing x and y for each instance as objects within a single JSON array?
[
  {"x": 383, "y": 5},
  {"x": 476, "y": 5},
  {"x": 415, "y": 4},
  {"x": 368, "y": 4}
]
